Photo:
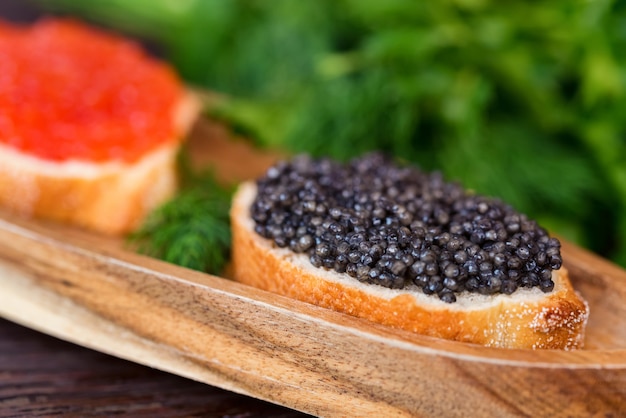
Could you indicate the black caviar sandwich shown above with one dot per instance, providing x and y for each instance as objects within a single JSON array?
[{"x": 404, "y": 248}]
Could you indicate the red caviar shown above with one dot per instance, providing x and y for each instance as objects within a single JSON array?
[{"x": 68, "y": 91}]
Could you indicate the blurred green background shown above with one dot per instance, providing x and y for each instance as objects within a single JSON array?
[{"x": 520, "y": 100}]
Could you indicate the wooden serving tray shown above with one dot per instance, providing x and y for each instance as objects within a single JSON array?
[{"x": 94, "y": 291}]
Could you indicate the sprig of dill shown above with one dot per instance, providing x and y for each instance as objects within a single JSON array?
[
  {"x": 192, "y": 229},
  {"x": 527, "y": 103}
]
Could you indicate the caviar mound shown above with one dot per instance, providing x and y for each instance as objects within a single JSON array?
[
  {"x": 528, "y": 318},
  {"x": 71, "y": 92},
  {"x": 396, "y": 226},
  {"x": 90, "y": 126}
]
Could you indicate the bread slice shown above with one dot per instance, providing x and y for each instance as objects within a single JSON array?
[
  {"x": 529, "y": 318},
  {"x": 109, "y": 197}
]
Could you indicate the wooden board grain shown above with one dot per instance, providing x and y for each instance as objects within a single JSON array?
[
  {"x": 94, "y": 291},
  {"x": 42, "y": 376}
]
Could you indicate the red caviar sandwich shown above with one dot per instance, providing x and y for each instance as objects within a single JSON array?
[{"x": 89, "y": 125}]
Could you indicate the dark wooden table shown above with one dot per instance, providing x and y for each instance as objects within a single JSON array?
[{"x": 43, "y": 376}]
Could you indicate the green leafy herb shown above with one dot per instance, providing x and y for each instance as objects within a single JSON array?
[
  {"x": 192, "y": 229},
  {"x": 522, "y": 101}
]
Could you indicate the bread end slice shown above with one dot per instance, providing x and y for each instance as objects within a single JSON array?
[{"x": 528, "y": 318}]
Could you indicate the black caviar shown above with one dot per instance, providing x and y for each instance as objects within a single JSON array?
[{"x": 393, "y": 225}]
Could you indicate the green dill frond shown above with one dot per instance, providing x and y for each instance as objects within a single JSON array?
[
  {"x": 527, "y": 103},
  {"x": 193, "y": 228}
]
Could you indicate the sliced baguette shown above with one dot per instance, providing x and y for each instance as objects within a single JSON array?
[
  {"x": 528, "y": 318},
  {"x": 108, "y": 197}
]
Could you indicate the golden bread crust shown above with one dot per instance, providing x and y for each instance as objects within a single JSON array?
[
  {"x": 554, "y": 320},
  {"x": 114, "y": 201},
  {"x": 109, "y": 197}
]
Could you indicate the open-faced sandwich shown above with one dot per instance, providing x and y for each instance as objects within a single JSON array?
[
  {"x": 404, "y": 248},
  {"x": 90, "y": 125}
]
